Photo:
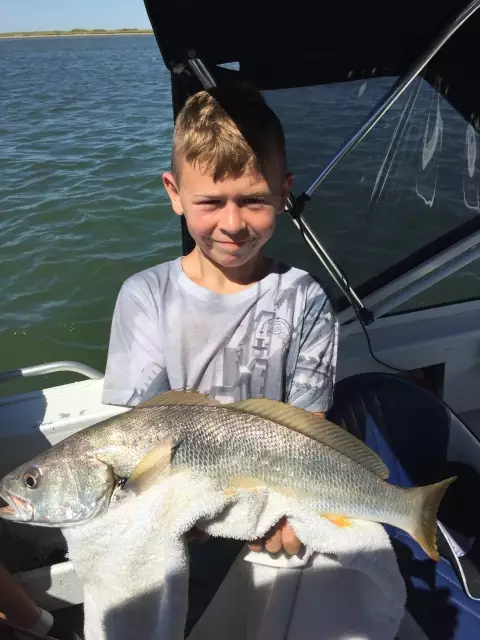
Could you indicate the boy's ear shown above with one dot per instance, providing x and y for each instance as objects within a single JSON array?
[
  {"x": 171, "y": 188},
  {"x": 286, "y": 189}
]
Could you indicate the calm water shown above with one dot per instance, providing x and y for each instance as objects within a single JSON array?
[{"x": 85, "y": 133}]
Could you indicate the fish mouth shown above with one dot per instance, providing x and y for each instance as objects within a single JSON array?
[
  {"x": 5, "y": 508},
  {"x": 15, "y": 508}
]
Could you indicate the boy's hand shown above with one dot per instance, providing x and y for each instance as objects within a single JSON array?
[
  {"x": 196, "y": 535},
  {"x": 281, "y": 536}
]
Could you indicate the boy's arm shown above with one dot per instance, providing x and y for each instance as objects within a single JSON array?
[{"x": 135, "y": 368}]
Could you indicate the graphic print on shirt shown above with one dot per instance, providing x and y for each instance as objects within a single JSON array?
[
  {"x": 246, "y": 366},
  {"x": 153, "y": 378},
  {"x": 255, "y": 367},
  {"x": 266, "y": 353}
]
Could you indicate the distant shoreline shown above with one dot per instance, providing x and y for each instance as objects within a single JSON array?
[{"x": 75, "y": 33}]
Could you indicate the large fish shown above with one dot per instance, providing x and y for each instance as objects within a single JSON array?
[{"x": 248, "y": 444}]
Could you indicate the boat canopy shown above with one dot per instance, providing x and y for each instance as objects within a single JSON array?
[
  {"x": 306, "y": 43},
  {"x": 401, "y": 211}
]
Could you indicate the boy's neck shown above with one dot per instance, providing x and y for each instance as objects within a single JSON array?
[{"x": 201, "y": 270}]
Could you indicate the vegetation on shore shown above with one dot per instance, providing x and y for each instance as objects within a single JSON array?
[{"x": 74, "y": 32}]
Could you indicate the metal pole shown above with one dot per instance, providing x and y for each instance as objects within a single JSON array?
[
  {"x": 51, "y": 367},
  {"x": 329, "y": 264},
  {"x": 394, "y": 94},
  {"x": 426, "y": 282},
  {"x": 201, "y": 71},
  {"x": 426, "y": 275}
]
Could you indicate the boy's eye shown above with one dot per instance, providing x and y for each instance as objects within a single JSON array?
[
  {"x": 254, "y": 202},
  {"x": 210, "y": 204}
]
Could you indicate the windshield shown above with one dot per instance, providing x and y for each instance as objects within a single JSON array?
[{"x": 414, "y": 178}]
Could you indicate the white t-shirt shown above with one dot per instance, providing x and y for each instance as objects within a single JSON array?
[{"x": 276, "y": 339}]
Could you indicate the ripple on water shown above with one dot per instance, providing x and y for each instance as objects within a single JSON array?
[{"x": 84, "y": 140}]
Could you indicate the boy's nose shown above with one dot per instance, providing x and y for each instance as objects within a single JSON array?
[{"x": 232, "y": 221}]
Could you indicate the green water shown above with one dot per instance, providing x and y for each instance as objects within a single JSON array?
[
  {"x": 85, "y": 139},
  {"x": 84, "y": 136}
]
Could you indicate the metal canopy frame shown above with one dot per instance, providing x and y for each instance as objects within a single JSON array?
[
  {"x": 397, "y": 292},
  {"x": 421, "y": 277},
  {"x": 392, "y": 96}
]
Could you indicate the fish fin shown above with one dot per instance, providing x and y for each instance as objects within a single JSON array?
[
  {"x": 339, "y": 521},
  {"x": 314, "y": 427},
  {"x": 245, "y": 482},
  {"x": 242, "y": 483},
  {"x": 179, "y": 397},
  {"x": 428, "y": 500},
  {"x": 152, "y": 467},
  {"x": 249, "y": 483}
]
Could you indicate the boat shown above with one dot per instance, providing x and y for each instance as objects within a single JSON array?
[{"x": 403, "y": 333}]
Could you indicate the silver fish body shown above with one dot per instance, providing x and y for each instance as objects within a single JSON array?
[
  {"x": 242, "y": 449},
  {"x": 74, "y": 480}
]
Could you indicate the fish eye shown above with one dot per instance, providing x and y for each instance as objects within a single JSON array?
[{"x": 31, "y": 478}]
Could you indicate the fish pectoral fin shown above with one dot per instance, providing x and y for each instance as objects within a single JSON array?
[
  {"x": 153, "y": 467},
  {"x": 339, "y": 521},
  {"x": 315, "y": 427},
  {"x": 179, "y": 397}
]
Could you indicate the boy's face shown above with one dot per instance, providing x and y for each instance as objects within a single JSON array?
[{"x": 229, "y": 220}]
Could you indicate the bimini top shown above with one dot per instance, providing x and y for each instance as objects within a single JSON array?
[{"x": 307, "y": 42}]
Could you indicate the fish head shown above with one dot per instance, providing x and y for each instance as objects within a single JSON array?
[{"x": 56, "y": 490}]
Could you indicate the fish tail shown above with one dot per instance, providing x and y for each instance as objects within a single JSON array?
[{"x": 427, "y": 499}]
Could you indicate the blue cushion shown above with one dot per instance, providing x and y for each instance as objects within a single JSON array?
[{"x": 435, "y": 596}]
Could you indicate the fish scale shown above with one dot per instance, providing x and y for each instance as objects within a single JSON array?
[
  {"x": 247, "y": 445},
  {"x": 222, "y": 444}
]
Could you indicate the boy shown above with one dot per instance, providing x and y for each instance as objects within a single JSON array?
[{"x": 225, "y": 320}]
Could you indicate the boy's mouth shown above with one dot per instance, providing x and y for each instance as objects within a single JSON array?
[{"x": 233, "y": 242}]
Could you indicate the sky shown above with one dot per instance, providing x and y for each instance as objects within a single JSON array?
[{"x": 56, "y": 15}]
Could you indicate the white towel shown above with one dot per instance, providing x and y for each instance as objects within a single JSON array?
[{"x": 134, "y": 564}]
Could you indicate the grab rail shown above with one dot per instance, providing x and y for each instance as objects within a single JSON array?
[{"x": 51, "y": 367}]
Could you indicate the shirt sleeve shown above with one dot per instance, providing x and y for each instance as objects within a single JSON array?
[
  {"x": 135, "y": 368},
  {"x": 311, "y": 382}
]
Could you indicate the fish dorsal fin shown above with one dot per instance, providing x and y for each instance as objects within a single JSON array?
[
  {"x": 314, "y": 427},
  {"x": 179, "y": 397},
  {"x": 153, "y": 467}
]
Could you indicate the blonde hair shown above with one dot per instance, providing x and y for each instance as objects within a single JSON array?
[{"x": 229, "y": 132}]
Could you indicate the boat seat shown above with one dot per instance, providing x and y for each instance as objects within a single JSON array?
[{"x": 421, "y": 441}]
